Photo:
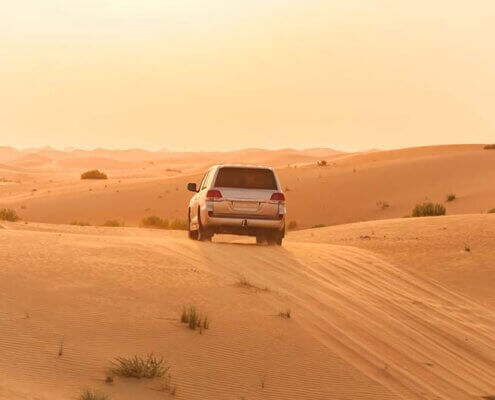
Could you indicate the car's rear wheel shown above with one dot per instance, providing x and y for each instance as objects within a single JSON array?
[
  {"x": 203, "y": 234},
  {"x": 193, "y": 235},
  {"x": 275, "y": 238}
]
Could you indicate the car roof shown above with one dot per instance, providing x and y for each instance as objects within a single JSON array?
[{"x": 241, "y": 166}]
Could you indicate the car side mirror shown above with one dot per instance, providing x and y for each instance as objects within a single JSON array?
[{"x": 192, "y": 187}]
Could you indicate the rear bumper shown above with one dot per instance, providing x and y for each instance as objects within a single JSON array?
[{"x": 241, "y": 225}]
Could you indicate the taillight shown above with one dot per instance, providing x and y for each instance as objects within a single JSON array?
[
  {"x": 213, "y": 194},
  {"x": 278, "y": 197}
]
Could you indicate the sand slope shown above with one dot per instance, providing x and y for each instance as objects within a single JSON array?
[{"x": 363, "y": 326}]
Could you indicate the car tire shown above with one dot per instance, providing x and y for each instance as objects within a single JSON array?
[
  {"x": 260, "y": 239},
  {"x": 275, "y": 238},
  {"x": 193, "y": 235},
  {"x": 203, "y": 234}
]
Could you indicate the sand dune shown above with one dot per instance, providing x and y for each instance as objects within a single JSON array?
[
  {"x": 367, "y": 322},
  {"x": 351, "y": 188}
]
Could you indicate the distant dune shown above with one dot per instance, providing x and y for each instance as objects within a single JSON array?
[{"x": 352, "y": 187}]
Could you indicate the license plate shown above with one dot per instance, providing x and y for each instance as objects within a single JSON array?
[{"x": 245, "y": 205}]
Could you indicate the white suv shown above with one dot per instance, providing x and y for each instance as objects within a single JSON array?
[{"x": 240, "y": 200}]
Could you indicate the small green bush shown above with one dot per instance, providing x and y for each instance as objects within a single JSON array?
[
  {"x": 428, "y": 209},
  {"x": 94, "y": 174},
  {"x": 489, "y": 147},
  {"x": 451, "y": 197},
  {"x": 88, "y": 394},
  {"x": 292, "y": 225},
  {"x": 140, "y": 367},
  {"x": 7, "y": 214}
]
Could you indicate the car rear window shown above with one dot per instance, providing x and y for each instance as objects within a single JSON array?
[{"x": 246, "y": 178}]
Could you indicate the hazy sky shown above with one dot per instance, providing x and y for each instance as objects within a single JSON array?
[{"x": 224, "y": 74}]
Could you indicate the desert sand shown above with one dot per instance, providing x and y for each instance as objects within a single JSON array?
[{"x": 387, "y": 308}]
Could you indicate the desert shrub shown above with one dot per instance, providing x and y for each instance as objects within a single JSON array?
[
  {"x": 191, "y": 316},
  {"x": 94, "y": 174},
  {"x": 154, "y": 221},
  {"x": 285, "y": 314},
  {"x": 318, "y": 226},
  {"x": 450, "y": 197},
  {"x": 179, "y": 224},
  {"x": 489, "y": 147},
  {"x": 492, "y": 211},
  {"x": 292, "y": 225},
  {"x": 383, "y": 205},
  {"x": 113, "y": 223},
  {"x": 80, "y": 223},
  {"x": 322, "y": 163},
  {"x": 428, "y": 209},
  {"x": 88, "y": 394},
  {"x": 7, "y": 214},
  {"x": 244, "y": 282},
  {"x": 140, "y": 367}
]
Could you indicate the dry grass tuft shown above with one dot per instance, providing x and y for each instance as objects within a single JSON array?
[
  {"x": 450, "y": 197},
  {"x": 113, "y": 223},
  {"x": 8, "y": 214},
  {"x": 244, "y": 282},
  {"x": 194, "y": 319},
  {"x": 89, "y": 394},
  {"x": 156, "y": 222},
  {"x": 168, "y": 386},
  {"x": 140, "y": 367},
  {"x": 80, "y": 223}
]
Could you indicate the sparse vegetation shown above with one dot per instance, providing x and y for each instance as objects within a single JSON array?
[
  {"x": 94, "y": 174},
  {"x": 492, "y": 211},
  {"x": 383, "y": 205},
  {"x": 292, "y": 225},
  {"x": 285, "y": 314},
  {"x": 191, "y": 316},
  {"x": 322, "y": 163},
  {"x": 178, "y": 224},
  {"x": 450, "y": 197},
  {"x": 89, "y": 394},
  {"x": 156, "y": 222},
  {"x": 8, "y": 214},
  {"x": 140, "y": 367},
  {"x": 113, "y": 223},
  {"x": 428, "y": 209},
  {"x": 167, "y": 385},
  {"x": 244, "y": 282},
  {"x": 489, "y": 147},
  {"x": 319, "y": 226},
  {"x": 80, "y": 223}
]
